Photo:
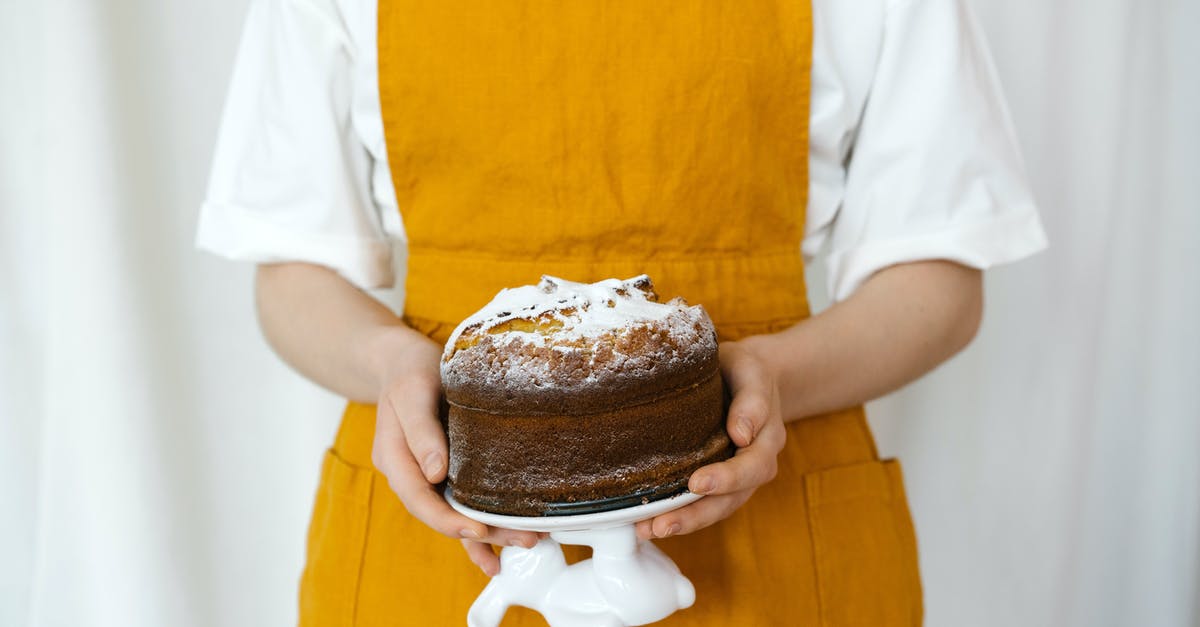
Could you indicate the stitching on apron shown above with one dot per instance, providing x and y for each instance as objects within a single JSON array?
[
  {"x": 686, "y": 258},
  {"x": 814, "y": 533},
  {"x": 362, "y": 551},
  {"x": 770, "y": 326}
]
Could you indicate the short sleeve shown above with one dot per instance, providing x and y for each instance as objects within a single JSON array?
[
  {"x": 290, "y": 181},
  {"x": 934, "y": 171}
]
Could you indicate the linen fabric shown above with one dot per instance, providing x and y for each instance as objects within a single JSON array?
[
  {"x": 1051, "y": 467},
  {"x": 587, "y": 140},
  {"x": 911, "y": 152}
]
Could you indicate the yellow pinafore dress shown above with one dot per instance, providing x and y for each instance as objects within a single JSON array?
[{"x": 607, "y": 138}]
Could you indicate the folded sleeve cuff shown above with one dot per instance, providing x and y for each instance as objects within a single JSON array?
[
  {"x": 1003, "y": 239},
  {"x": 237, "y": 234}
]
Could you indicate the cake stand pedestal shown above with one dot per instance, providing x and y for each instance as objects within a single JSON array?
[{"x": 626, "y": 582}]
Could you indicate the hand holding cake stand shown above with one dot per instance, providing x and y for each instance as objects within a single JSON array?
[{"x": 626, "y": 582}]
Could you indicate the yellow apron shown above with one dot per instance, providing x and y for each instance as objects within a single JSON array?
[{"x": 606, "y": 138}]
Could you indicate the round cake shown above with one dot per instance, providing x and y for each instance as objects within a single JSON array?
[{"x": 568, "y": 398}]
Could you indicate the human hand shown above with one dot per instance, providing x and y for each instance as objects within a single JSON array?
[
  {"x": 755, "y": 424},
  {"x": 410, "y": 449}
]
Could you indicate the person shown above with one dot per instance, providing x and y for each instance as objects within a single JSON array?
[{"x": 716, "y": 146}]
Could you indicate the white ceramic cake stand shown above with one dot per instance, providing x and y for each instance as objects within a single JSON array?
[{"x": 626, "y": 582}]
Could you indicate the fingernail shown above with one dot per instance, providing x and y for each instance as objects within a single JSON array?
[
  {"x": 469, "y": 534},
  {"x": 432, "y": 464},
  {"x": 672, "y": 530},
  {"x": 524, "y": 543},
  {"x": 747, "y": 430},
  {"x": 704, "y": 485},
  {"x": 490, "y": 571}
]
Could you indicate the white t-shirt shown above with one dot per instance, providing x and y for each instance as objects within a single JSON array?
[{"x": 911, "y": 152}]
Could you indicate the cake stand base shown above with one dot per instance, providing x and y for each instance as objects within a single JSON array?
[{"x": 626, "y": 582}]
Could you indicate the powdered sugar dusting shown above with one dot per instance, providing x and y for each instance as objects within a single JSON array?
[
  {"x": 573, "y": 310},
  {"x": 561, "y": 334}
]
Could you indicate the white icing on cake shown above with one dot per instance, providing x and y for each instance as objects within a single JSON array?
[
  {"x": 586, "y": 310},
  {"x": 562, "y": 333}
]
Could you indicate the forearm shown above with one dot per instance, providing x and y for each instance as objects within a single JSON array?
[
  {"x": 900, "y": 324},
  {"x": 329, "y": 330}
]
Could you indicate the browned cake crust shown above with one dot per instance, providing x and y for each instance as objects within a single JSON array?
[
  {"x": 537, "y": 465},
  {"x": 585, "y": 380},
  {"x": 547, "y": 420}
]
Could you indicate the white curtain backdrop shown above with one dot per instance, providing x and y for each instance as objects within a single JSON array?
[{"x": 157, "y": 463}]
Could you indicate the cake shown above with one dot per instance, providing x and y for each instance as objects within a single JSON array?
[{"x": 567, "y": 398}]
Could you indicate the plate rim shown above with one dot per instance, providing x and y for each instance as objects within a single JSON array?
[{"x": 576, "y": 522}]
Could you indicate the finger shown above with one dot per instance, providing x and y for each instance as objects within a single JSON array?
[
  {"x": 394, "y": 459},
  {"x": 644, "y": 529},
  {"x": 414, "y": 404},
  {"x": 698, "y": 515},
  {"x": 482, "y": 555},
  {"x": 392, "y": 456},
  {"x": 749, "y": 468},
  {"x": 748, "y": 413},
  {"x": 511, "y": 537},
  {"x": 753, "y": 395},
  {"x": 428, "y": 506}
]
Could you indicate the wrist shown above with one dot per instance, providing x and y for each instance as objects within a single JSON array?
[
  {"x": 763, "y": 350},
  {"x": 749, "y": 360},
  {"x": 785, "y": 360},
  {"x": 394, "y": 351}
]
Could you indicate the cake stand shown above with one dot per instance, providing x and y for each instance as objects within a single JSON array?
[{"x": 626, "y": 582}]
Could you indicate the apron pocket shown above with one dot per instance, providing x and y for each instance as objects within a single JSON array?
[
  {"x": 864, "y": 549},
  {"x": 336, "y": 539}
]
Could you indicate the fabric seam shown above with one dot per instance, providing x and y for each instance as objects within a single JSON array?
[
  {"x": 362, "y": 549},
  {"x": 243, "y": 214},
  {"x": 429, "y": 251},
  {"x": 814, "y": 532},
  {"x": 788, "y": 321}
]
